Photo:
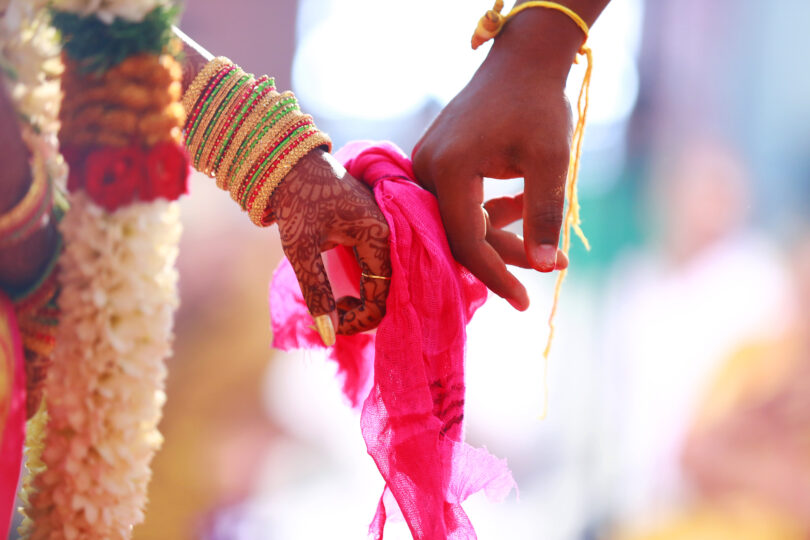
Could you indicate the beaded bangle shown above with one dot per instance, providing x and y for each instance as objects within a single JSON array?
[
  {"x": 232, "y": 91},
  {"x": 265, "y": 141},
  {"x": 261, "y": 88},
  {"x": 193, "y": 118},
  {"x": 224, "y": 80},
  {"x": 201, "y": 81},
  {"x": 268, "y": 152},
  {"x": 249, "y": 125},
  {"x": 32, "y": 212},
  {"x": 244, "y": 133},
  {"x": 224, "y": 124},
  {"x": 265, "y": 133}
]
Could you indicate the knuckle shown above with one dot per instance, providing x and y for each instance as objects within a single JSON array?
[{"x": 546, "y": 214}]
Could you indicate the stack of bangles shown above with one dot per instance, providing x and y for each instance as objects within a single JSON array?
[{"x": 244, "y": 133}]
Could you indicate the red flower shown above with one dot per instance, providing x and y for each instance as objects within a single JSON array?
[
  {"x": 112, "y": 176},
  {"x": 167, "y": 170}
]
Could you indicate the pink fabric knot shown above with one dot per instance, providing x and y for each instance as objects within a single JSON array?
[{"x": 410, "y": 374}]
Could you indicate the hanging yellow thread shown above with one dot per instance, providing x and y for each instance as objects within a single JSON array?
[{"x": 490, "y": 26}]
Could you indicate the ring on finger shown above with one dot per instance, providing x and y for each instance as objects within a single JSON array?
[{"x": 374, "y": 276}]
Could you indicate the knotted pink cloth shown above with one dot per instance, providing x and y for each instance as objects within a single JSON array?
[{"x": 411, "y": 373}]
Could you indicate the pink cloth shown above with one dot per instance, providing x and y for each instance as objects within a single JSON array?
[
  {"x": 12, "y": 410},
  {"x": 413, "y": 383}
]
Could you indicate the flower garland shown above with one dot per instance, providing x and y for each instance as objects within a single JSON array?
[
  {"x": 105, "y": 389},
  {"x": 121, "y": 137}
]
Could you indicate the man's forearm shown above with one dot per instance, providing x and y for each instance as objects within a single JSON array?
[
  {"x": 589, "y": 10},
  {"x": 546, "y": 39}
]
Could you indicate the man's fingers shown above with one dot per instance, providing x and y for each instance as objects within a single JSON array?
[
  {"x": 305, "y": 258},
  {"x": 465, "y": 223},
  {"x": 543, "y": 212},
  {"x": 509, "y": 246},
  {"x": 504, "y": 210}
]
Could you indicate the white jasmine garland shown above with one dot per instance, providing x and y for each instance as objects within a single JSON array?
[
  {"x": 29, "y": 53},
  {"x": 105, "y": 388}
]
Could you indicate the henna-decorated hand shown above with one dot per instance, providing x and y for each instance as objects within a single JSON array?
[{"x": 319, "y": 206}]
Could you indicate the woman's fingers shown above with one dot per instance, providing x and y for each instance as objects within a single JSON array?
[
  {"x": 318, "y": 206},
  {"x": 365, "y": 313},
  {"x": 305, "y": 258}
]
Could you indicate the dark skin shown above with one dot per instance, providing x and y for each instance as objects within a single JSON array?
[{"x": 511, "y": 120}]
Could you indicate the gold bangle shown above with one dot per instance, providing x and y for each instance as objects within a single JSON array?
[
  {"x": 257, "y": 210},
  {"x": 200, "y": 137},
  {"x": 247, "y": 127},
  {"x": 201, "y": 81},
  {"x": 227, "y": 111},
  {"x": 30, "y": 213},
  {"x": 260, "y": 148}
]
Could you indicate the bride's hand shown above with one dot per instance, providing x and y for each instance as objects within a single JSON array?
[{"x": 319, "y": 206}]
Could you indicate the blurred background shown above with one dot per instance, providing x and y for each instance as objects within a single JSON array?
[{"x": 679, "y": 381}]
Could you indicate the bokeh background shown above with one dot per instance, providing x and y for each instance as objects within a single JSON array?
[{"x": 679, "y": 381}]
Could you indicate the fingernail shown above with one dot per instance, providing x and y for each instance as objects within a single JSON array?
[
  {"x": 545, "y": 257},
  {"x": 325, "y": 328},
  {"x": 519, "y": 305}
]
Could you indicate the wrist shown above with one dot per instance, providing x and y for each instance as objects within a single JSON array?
[{"x": 538, "y": 41}]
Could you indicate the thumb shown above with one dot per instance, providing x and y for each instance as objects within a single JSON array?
[
  {"x": 305, "y": 258},
  {"x": 544, "y": 199}
]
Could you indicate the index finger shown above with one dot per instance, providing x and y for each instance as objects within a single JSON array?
[{"x": 460, "y": 200}]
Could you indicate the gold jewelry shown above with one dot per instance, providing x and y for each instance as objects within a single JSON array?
[
  {"x": 268, "y": 140},
  {"x": 201, "y": 136},
  {"x": 224, "y": 109},
  {"x": 224, "y": 172},
  {"x": 201, "y": 81},
  {"x": 373, "y": 276}
]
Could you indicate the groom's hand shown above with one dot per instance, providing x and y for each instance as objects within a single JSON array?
[{"x": 511, "y": 120}]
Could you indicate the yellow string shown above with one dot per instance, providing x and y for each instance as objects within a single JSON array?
[{"x": 490, "y": 25}]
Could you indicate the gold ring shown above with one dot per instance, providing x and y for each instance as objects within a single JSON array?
[{"x": 373, "y": 276}]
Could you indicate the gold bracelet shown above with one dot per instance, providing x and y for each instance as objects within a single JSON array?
[
  {"x": 261, "y": 148},
  {"x": 201, "y": 81},
  {"x": 31, "y": 212},
  {"x": 200, "y": 136},
  {"x": 227, "y": 111},
  {"x": 239, "y": 138}
]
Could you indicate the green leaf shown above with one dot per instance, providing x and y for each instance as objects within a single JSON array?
[{"x": 98, "y": 46}]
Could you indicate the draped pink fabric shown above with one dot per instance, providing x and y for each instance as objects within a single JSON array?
[
  {"x": 412, "y": 382},
  {"x": 12, "y": 410}
]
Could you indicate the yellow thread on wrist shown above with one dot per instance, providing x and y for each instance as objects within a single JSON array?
[{"x": 489, "y": 27}]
